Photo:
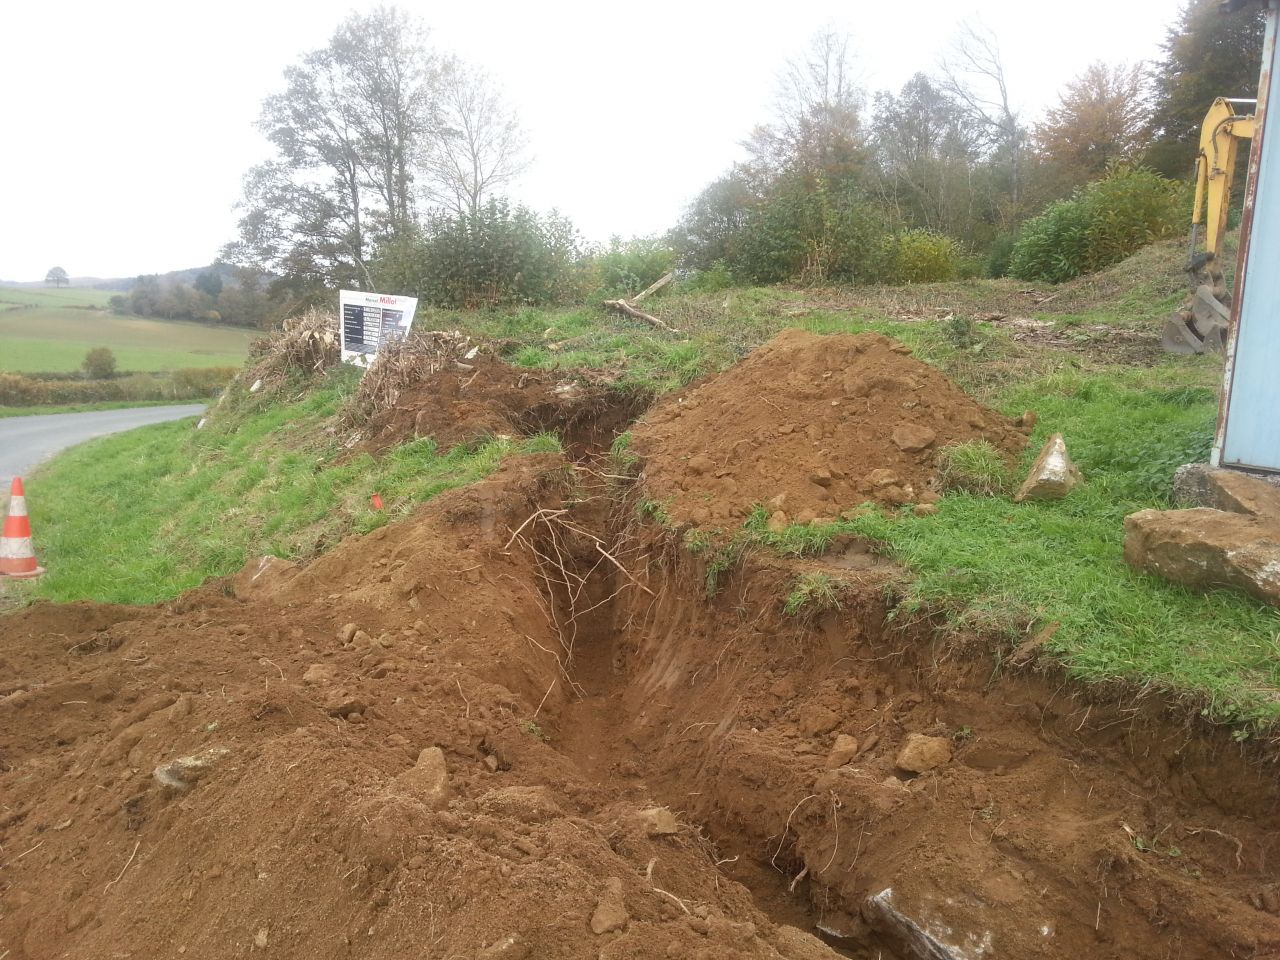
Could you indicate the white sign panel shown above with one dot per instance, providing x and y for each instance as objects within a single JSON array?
[{"x": 371, "y": 319}]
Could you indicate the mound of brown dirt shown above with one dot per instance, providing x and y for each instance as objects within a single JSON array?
[
  {"x": 218, "y": 778},
  {"x": 491, "y": 398},
  {"x": 810, "y": 425}
]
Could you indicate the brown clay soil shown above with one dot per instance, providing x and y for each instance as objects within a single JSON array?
[
  {"x": 808, "y": 426},
  {"x": 445, "y": 739},
  {"x": 492, "y": 398}
]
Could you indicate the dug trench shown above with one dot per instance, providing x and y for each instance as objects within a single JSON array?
[
  {"x": 1048, "y": 821},
  {"x": 526, "y": 722}
]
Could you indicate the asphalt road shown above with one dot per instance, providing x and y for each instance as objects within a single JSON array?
[{"x": 26, "y": 441}]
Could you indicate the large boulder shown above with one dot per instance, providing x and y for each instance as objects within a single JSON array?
[
  {"x": 1204, "y": 548},
  {"x": 1200, "y": 485}
]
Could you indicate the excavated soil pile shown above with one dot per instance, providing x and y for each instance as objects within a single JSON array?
[
  {"x": 491, "y": 398},
  {"x": 808, "y": 426},
  {"x": 236, "y": 776}
]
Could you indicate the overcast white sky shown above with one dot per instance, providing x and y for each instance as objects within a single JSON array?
[{"x": 128, "y": 125}]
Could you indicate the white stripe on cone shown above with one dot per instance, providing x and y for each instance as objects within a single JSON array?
[
  {"x": 16, "y": 548},
  {"x": 18, "y": 506}
]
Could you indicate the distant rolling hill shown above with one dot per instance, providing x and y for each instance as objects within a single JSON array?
[{"x": 122, "y": 283}]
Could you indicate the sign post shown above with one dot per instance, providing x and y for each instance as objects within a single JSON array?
[{"x": 370, "y": 320}]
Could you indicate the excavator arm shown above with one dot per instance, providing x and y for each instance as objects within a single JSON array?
[
  {"x": 1220, "y": 135},
  {"x": 1200, "y": 324}
]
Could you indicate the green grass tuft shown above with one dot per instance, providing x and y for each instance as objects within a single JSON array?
[
  {"x": 812, "y": 594},
  {"x": 974, "y": 467}
]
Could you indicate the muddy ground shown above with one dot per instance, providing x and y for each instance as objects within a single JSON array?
[{"x": 515, "y": 725}]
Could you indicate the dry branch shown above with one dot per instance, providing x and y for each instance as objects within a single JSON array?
[
  {"x": 623, "y": 307},
  {"x": 628, "y": 308},
  {"x": 654, "y": 287}
]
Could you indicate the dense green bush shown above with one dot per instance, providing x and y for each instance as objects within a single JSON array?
[
  {"x": 1105, "y": 221},
  {"x": 1055, "y": 245},
  {"x": 501, "y": 255},
  {"x": 922, "y": 256},
  {"x": 626, "y": 268},
  {"x": 999, "y": 255},
  {"x": 713, "y": 279},
  {"x": 99, "y": 364}
]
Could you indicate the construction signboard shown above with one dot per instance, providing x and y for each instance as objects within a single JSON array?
[{"x": 370, "y": 320}]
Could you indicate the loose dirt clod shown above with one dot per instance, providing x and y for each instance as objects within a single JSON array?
[
  {"x": 809, "y": 424},
  {"x": 920, "y": 754}
]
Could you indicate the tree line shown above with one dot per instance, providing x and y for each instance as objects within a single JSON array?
[
  {"x": 392, "y": 161},
  {"x": 239, "y": 296}
]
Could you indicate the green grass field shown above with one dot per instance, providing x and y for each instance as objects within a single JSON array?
[
  {"x": 53, "y": 297},
  {"x": 52, "y": 330}
]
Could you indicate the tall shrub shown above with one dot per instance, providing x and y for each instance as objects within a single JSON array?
[{"x": 1104, "y": 222}]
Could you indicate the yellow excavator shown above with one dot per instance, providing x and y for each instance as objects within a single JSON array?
[{"x": 1200, "y": 325}]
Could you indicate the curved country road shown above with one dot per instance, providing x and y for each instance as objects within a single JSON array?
[{"x": 26, "y": 441}]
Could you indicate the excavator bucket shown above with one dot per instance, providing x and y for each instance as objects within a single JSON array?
[{"x": 1200, "y": 326}]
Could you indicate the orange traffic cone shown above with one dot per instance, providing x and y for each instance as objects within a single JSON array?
[{"x": 17, "y": 558}]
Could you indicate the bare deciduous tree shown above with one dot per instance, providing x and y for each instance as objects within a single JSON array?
[
  {"x": 474, "y": 145},
  {"x": 818, "y": 113},
  {"x": 925, "y": 153},
  {"x": 973, "y": 75}
]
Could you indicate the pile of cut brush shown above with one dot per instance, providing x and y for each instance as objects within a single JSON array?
[
  {"x": 307, "y": 344},
  {"x": 407, "y": 363}
]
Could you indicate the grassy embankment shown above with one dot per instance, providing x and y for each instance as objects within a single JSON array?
[{"x": 1085, "y": 363}]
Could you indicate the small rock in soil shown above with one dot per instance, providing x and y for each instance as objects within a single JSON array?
[
  {"x": 699, "y": 465},
  {"x": 508, "y": 948},
  {"x": 922, "y": 754},
  {"x": 844, "y": 750},
  {"x": 881, "y": 477},
  {"x": 925, "y": 509},
  {"x": 912, "y": 437},
  {"x": 777, "y": 522},
  {"x": 184, "y": 772},
  {"x": 610, "y": 913},
  {"x": 1052, "y": 476},
  {"x": 319, "y": 673},
  {"x": 815, "y": 719},
  {"x": 794, "y": 944},
  {"x": 344, "y": 706},
  {"x": 428, "y": 779},
  {"x": 658, "y": 821},
  {"x": 181, "y": 708}
]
